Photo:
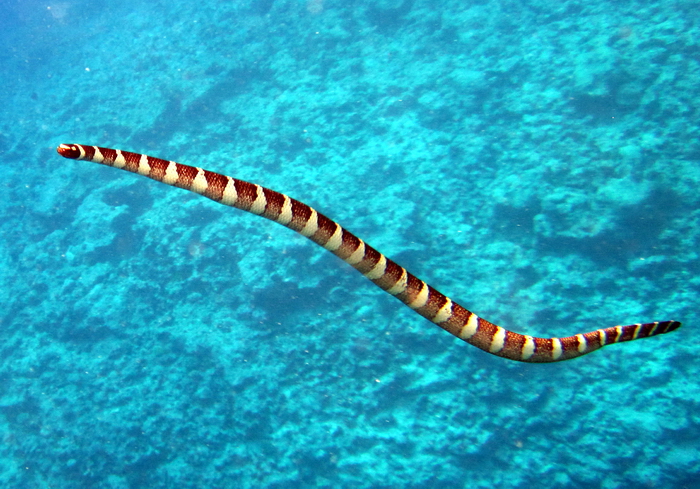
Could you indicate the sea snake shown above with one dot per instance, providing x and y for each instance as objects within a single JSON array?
[{"x": 385, "y": 273}]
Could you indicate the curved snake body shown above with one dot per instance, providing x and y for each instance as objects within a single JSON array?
[{"x": 385, "y": 273}]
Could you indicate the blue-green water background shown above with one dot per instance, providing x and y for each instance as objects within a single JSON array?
[{"x": 536, "y": 160}]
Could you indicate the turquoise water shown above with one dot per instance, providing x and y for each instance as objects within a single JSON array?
[{"x": 538, "y": 161}]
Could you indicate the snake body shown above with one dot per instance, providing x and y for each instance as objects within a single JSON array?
[{"x": 385, "y": 273}]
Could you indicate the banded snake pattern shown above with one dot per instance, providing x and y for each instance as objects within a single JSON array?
[{"x": 386, "y": 274}]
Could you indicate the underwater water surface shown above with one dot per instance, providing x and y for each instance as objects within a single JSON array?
[{"x": 538, "y": 161}]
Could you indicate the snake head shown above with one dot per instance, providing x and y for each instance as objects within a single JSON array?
[{"x": 71, "y": 151}]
